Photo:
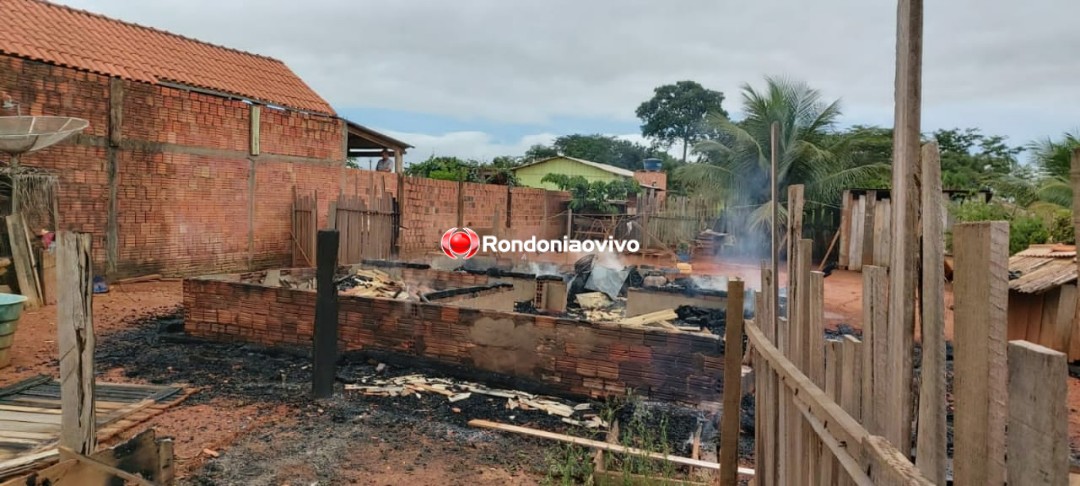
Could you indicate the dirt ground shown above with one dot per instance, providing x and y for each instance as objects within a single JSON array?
[{"x": 252, "y": 411}]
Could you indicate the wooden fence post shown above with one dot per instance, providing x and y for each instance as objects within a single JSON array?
[
  {"x": 931, "y": 441},
  {"x": 904, "y": 257},
  {"x": 981, "y": 289},
  {"x": 1038, "y": 439},
  {"x": 75, "y": 335},
  {"x": 875, "y": 316},
  {"x": 324, "y": 353},
  {"x": 729, "y": 427}
]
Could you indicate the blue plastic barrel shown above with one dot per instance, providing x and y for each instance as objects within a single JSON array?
[
  {"x": 11, "y": 306},
  {"x": 653, "y": 165}
]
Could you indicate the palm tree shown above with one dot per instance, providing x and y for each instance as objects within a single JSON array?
[
  {"x": 738, "y": 160},
  {"x": 1053, "y": 157}
]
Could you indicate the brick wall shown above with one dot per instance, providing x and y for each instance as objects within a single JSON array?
[
  {"x": 568, "y": 357},
  {"x": 189, "y": 198},
  {"x": 431, "y": 208}
]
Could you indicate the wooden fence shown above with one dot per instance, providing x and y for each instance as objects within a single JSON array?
[
  {"x": 367, "y": 231},
  {"x": 843, "y": 412},
  {"x": 305, "y": 218},
  {"x": 679, "y": 219}
]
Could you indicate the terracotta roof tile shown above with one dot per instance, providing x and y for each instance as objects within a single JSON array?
[{"x": 41, "y": 31}]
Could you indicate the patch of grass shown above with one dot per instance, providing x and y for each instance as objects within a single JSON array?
[{"x": 571, "y": 464}]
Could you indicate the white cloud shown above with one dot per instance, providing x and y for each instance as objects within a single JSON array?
[
  {"x": 531, "y": 61},
  {"x": 467, "y": 145}
]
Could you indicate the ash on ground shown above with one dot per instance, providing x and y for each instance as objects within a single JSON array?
[{"x": 320, "y": 437}]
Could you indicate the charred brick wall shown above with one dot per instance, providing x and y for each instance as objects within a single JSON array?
[{"x": 568, "y": 357}]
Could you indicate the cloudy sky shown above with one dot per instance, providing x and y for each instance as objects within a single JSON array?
[{"x": 481, "y": 78}]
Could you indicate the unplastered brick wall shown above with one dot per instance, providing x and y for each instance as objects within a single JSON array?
[
  {"x": 180, "y": 194},
  {"x": 565, "y": 356},
  {"x": 185, "y": 194},
  {"x": 431, "y": 208}
]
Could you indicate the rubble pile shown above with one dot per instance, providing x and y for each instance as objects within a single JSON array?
[
  {"x": 454, "y": 391},
  {"x": 598, "y": 307},
  {"x": 375, "y": 283},
  {"x": 703, "y": 318}
]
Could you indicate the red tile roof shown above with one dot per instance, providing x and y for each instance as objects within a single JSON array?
[{"x": 41, "y": 31}]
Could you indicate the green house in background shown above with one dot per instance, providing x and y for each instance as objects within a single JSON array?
[{"x": 529, "y": 175}]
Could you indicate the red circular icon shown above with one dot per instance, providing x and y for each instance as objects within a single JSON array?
[{"x": 460, "y": 242}]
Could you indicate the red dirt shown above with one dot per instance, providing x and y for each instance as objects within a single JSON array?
[
  {"x": 219, "y": 423},
  {"x": 35, "y": 350}
]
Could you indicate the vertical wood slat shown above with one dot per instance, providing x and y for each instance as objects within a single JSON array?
[
  {"x": 796, "y": 466},
  {"x": 1056, "y": 332},
  {"x": 75, "y": 336},
  {"x": 733, "y": 352},
  {"x": 766, "y": 400},
  {"x": 850, "y": 387},
  {"x": 814, "y": 344},
  {"x": 903, "y": 262},
  {"x": 869, "y": 225},
  {"x": 931, "y": 438},
  {"x": 1038, "y": 440},
  {"x": 305, "y": 222},
  {"x": 981, "y": 289},
  {"x": 845, "y": 229},
  {"x": 875, "y": 309},
  {"x": 830, "y": 466},
  {"x": 858, "y": 228},
  {"x": 20, "y": 255},
  {"x": 1074, "y": 179}
]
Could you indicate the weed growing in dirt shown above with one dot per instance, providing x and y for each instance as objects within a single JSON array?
[{"x": 639, "y": 428}]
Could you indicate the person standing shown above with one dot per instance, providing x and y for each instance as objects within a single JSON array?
[{"x": 385, "y": 163}]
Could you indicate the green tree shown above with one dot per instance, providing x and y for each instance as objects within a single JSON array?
[
  {"x": 595, "y": 196},
  {"x": 538, "y": 152},
  {"x": 738, "y": 160},
  {"x": 445, "y": 168},
  {"x": 598, "y": 148},
  {"x": 973, "y": 161},
  {"x": 679, "y": 112}
]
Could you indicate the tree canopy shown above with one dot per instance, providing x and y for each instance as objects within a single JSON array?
[
  {"x": 596, "y": 148},
  {"x": 679, "y": 113},
  {"x": 739, "y": 157}
]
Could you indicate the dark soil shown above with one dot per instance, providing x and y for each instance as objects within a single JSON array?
[{"x": 318, "y": 438}]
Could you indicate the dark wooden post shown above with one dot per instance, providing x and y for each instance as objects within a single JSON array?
[
  {"x": 324, "y": 352},
  {"x": 730, "y": 414}
]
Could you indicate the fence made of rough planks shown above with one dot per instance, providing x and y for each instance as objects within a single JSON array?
[
  {"x": 823, "y": 408},
  {"x": 368, "y": 231},
  {"x": 304, "y": 226}
]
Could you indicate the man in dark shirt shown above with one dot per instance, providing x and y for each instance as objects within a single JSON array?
[{"x": 384, "y": 163}]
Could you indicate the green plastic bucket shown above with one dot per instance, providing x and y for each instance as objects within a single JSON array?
[{"x": 11, "y": 306}]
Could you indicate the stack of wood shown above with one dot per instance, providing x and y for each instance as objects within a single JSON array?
[
  {"x": 373, "y": 283},
  {"x": 708, "y": 242},
  {"x": 457, "y": 391}
]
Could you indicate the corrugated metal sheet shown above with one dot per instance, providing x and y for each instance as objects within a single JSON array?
[{"x": 1042, "y": 267}]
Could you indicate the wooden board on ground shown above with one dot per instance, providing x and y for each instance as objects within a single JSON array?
[
  {"x": 118, "y": 408},
  {"x": 143, "y": 459}
]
